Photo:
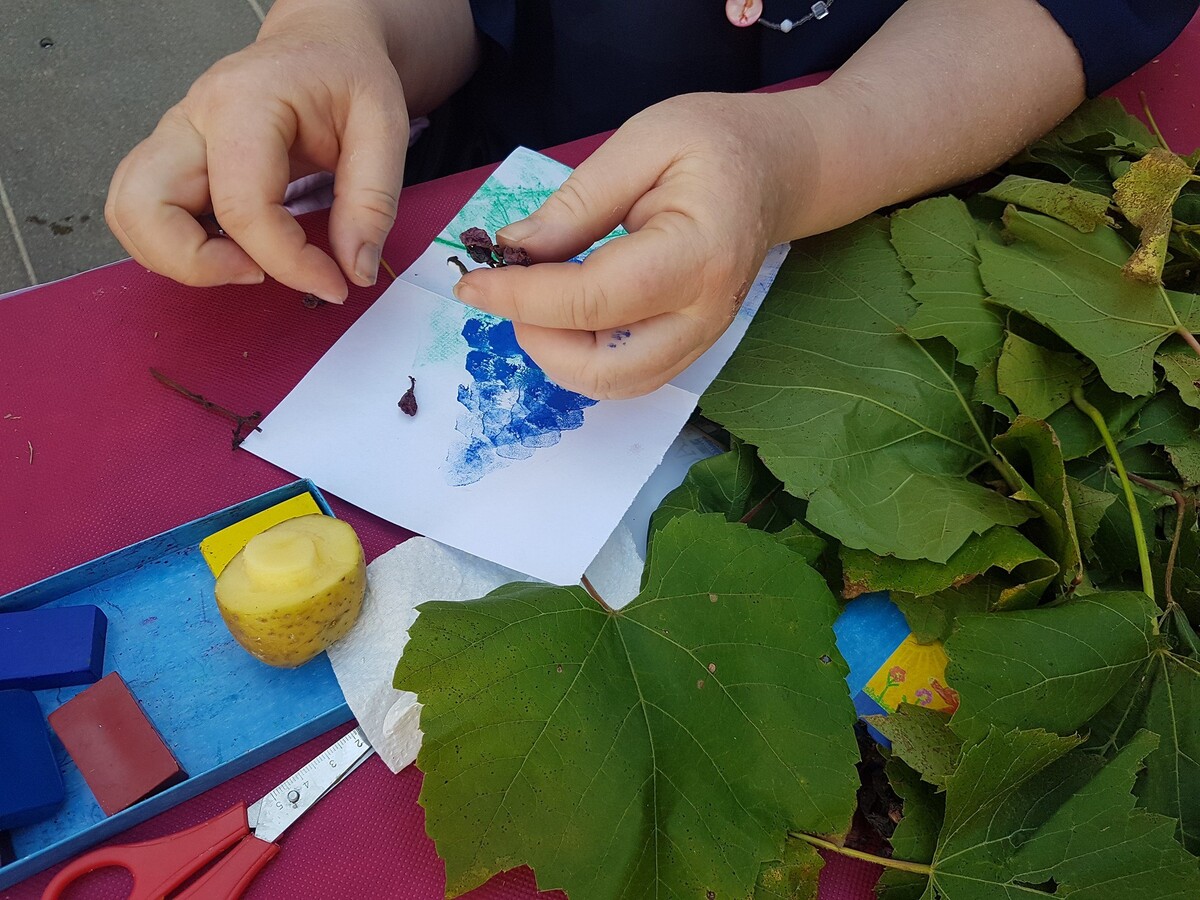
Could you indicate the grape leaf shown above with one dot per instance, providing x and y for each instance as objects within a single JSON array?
[
  {"x": 1101, "y": 125},
  {"x": 1088, "y": 506},
  {"x": 660, "y": 751},
  {"x": 935, "y": 240},
  {"x": 915, "y": 837},
  {"x": 737, "y": 485},
  {"x": 1031, "y": 451},
  {"x": 1051, "y": 668},
  {"x": 1114, "y": 549},
  {"x": 1000, "y": 547},
  {"x": 1084, "y": 210},
  {"x": 987, "y": 391},
  {"x": 1181, "y": 366},
  {"x": 1163, "y": 696},
  {"x": 1146, "y": 195},
  {"x": 1072, "y": 283},
  {"x": 853, "y": 415},
  {"x": 932, "y": 618},
  {"x": 794, "y": 877},
  {"x": 1169, "y": 423},
  {"x": 1037, "y": 380},
  {"x": 1026, "y": 815},
  {"x": 923, "y": 739}
]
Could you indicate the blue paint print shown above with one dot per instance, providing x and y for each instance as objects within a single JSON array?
[{"x": 511, "y": 408}]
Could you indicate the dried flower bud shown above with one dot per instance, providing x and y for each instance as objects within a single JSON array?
[
  {"x": 478, "y": 244},
  {"x": 515, "y": 256}
]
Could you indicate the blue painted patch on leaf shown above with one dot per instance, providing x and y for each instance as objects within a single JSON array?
[{"x": 511, "y": 407}]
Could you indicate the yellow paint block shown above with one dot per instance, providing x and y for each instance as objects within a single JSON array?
[{"x": 219, "y": 548}]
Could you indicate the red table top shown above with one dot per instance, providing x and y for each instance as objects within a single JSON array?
[{"x": 117, "y": 458}]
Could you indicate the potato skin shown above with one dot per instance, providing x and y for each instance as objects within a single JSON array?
[{"x": 293, "y": 634}]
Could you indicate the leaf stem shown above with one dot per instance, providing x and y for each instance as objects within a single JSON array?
[
  {"x": 1189, "y": 338},
  {"x": 902, "y": 865},
  {"x": 595, "y": 594},
  {"x": 1181, "y": 506},
  {"x": 1139, "y": 536},
  {"x": 1150, "y": 118}
]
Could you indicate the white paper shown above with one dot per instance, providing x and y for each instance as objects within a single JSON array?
[{"x": 497, "y": 462}]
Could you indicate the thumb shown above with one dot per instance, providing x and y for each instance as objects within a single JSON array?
[
  {"x": 594, "y": 200},
  {"x": 366, "y": 186}
]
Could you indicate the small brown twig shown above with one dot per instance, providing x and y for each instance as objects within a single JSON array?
[
  {"x": 455, "y": 261},
  {"x": 1153, "y": 125},
  {"x": 392, "y": 272},
  {"x": 587, "y": 586},
  {"x": 1181, "y": 507},
  {"x": 240, "y": 423}
]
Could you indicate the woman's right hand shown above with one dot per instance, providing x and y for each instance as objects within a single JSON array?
[{"x": 314, "y": 93}]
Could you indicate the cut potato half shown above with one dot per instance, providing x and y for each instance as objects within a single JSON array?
[{"x": 294, "y": 589}]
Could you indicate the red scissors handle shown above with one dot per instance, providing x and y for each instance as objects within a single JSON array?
[{"x": 161, "y": 865}]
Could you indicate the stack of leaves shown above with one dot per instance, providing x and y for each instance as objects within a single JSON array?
[{"x": 987, "y": 405}]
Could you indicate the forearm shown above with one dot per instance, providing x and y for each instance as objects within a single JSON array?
[
  {"x": 434, "y": 46},
  {"x": 946, "y": 90}
]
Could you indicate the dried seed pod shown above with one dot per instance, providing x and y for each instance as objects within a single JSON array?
[{"x": 408, "y": 403}]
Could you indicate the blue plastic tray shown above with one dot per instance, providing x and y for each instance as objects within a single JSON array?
[{"x": 219, "y": 710}]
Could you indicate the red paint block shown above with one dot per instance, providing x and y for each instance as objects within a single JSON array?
[{"x": 121, "y": 756}]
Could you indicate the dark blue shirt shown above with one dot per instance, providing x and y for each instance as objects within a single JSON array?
[{"x": 555, "y": 70}]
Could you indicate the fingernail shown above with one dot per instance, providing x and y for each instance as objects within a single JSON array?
[
  {"x": 366, "y": 264},
  {"x": 467, "y": 293},
  {"x": 518, "y": 231},
  {"x": 248, "y": 278}
]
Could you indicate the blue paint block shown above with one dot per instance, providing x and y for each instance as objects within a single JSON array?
[
  {"x": 51, "y": 647},
  {"x": 31, "y": 786}
]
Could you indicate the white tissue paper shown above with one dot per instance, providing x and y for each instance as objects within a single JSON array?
[{"x": 421, "y": 569}]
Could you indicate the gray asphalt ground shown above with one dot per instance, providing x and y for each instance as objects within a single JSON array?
[{"x": 81, "y": 82}]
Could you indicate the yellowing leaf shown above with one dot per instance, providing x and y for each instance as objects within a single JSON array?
[
  {"x": 1146, "y": 195},
  {"x": 1080, "y": 209},
  {"x": 1072, "y": 283}
]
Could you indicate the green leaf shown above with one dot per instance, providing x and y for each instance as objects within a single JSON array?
[
  {"x": 1072, "y": 283},
  {"x": 987, "y": 391},
  {"x": 935, "y": 240},
  {"x": 915, "y": 838},
  {"x": 1084, "y": 210},
  {"x": 736, "y": 484},
  {"x": 1162, "y": 696},
  {"x": 1027, "y": 816},
  {"x": 1146, "y": 195},
  {"x": 867, "y": 424},
  {"x": 660, "y": 751},
  {"x": 1051, "y": 668},
  {"x": 932, "y": 619},
  {"x": 1089, "y": 506},
  {"x": 1000, "y": 547},
  {"x": 1114, "y": 550},
  {"x": 794, "y": 877},
  {"x": 923, "y": 739},
  {"x": 1101, "y": 125},
  {"x": 1031, "y": 451},
  {"x": 1169, "y": 423},
  {"x": 1038, "y": 380},
  {"x": 1181, "y": 366}
]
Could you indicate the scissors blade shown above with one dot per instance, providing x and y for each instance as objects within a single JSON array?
[{"x": 274, "y": 813}]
